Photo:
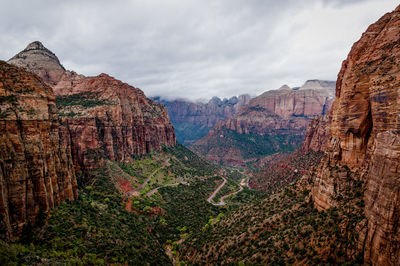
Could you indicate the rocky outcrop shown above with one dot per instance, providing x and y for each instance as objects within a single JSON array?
[
  {"x": 192, "y": 121},
  {"x": 36, "y": 169},
  {"x": 317, "y": 133},
  {"x": 273, "y": 122},
  {"x": 105, "y": 117},
  {"x": 364, "y": 143}
]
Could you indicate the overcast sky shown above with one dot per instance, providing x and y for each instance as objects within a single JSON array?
[{"x": 194, "y": 48}]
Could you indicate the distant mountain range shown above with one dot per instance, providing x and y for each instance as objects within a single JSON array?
[{"x": 193, "y": 120}]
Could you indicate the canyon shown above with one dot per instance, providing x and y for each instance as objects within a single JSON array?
[{"x": 321, "y": 164}]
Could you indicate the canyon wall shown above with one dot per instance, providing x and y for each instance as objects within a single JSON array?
[
  {"x": 364, "y": 139},
  {"x": 36, "y": 169},
  {"x": 111, "y": 119},
  {"x": 317, "y": 134}
]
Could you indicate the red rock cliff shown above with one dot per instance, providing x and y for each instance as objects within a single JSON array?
[
  {"x": 36, "y": 170},
  {"x": 109, "y": 118},
  {"x": 104, "y": 116},
  {"x": 316, "y": 135},
  {"x": 364, "y": 142}
]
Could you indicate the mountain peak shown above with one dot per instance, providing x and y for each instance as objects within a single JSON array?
[
  {"x": 284, "y": 87},
  {"x": 38, "y": 59},
  {"x": 36, "y": 45},
  {"x": 318, "y": 84}
]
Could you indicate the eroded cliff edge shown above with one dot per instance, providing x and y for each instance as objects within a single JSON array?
[
  {"x": 364, "y": 139},
  {"x": 36, "y": 168}
]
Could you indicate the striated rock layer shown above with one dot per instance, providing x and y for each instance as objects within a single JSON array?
[
  {"x": 36, "y": 169},
  {"x": 104, "y": 116},
  {"x": 316, "y": 135},
  {"x": 364, "y": 142},
  {"x": 275, "y": 121},
  {"x": 109, "y": 118},
  {"x": 192, "y": 121}
]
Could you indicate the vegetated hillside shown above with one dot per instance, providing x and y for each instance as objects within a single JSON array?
[
  {"x": 192, "y": 121},
  {"x": 273, "y": 122},
  {"x": 105, "y": 117},
  {"x": 95, "y": 229},
  {"x": 170, "y": 167},
  {"x": 278, "y": 170},
  {"x": 36, "y": 170},
  {"x": 284, "y": 228},
  {"x": 284, "y": 170},
  {"x": 244, "y": 150}
]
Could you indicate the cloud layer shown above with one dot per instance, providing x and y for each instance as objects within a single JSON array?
[{"x": 194, "y": 49}]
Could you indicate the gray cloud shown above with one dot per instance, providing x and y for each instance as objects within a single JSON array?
[{"x": 192, "y": 48}]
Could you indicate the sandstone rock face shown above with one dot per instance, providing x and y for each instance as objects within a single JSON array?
[
  {"x": 276, "y": 119},
  {"x": 108, "y": 118},
  {"x": 36, "y": 169},
  {"x": 192, "y": 121},
  {"x": 317, "y": 133},
  {"x": 364, "y": 142},
  {"x": 41, "y": 61},
  {"x": 105, "y": 117}
]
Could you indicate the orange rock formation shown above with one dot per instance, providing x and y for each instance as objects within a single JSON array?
[{"x": 364, "y": 143}]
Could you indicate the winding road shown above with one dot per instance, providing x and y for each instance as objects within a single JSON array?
[
  {"x": 154, "y": 190},
  {"x": 243, "y": 182},
  {"x": 136, "y": 192},
  {"x": 216, "y": 191}
]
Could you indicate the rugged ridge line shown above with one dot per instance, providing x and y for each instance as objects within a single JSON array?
[
  {"x": 273, "y": 122},
  {"x": 192, "y": 121},
  {"x": 106, "y": 118}
]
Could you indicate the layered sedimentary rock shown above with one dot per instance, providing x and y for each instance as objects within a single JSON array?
[
  {"x": 105, "y": 117},
  {"x": 317, "y": 133},
  {"x": 36, "y": 169},
  {"x": 272, "y": 122},
  {"x": 364, "y": 143},
  {"x": 111, "y": 119},
  {"x": 192, "y": 121}
]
